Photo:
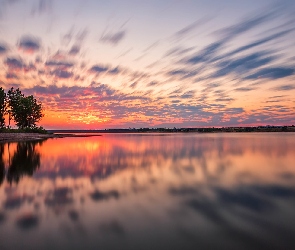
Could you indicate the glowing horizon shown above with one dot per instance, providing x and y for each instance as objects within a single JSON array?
[{"x": 121, "y": 64}]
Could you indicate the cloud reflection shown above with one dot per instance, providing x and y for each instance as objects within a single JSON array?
[
  {"x": 100, "y": 196},
  {"x": 127, "y": 186},
  {"x": 27, "y": 221}
]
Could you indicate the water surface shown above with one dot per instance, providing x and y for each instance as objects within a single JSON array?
[{"x": 149, "y": 191}]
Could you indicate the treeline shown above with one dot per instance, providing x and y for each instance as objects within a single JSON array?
[{"x": 25, "y": 111}]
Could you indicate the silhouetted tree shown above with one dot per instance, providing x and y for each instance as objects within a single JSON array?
[
  {"x": 25, "y": 110},
  {"x": 2, "y": 107}
]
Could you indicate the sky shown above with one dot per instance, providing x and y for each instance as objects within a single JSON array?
[{"x": 170, "y": 63}]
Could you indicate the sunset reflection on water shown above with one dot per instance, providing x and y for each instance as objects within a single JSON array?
[{"x": 149, "y": 191}]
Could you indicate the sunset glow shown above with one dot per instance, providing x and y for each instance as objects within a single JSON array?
[{"x": 120, "y": 64}]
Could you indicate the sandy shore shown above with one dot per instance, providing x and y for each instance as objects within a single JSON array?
[{"x": 15, "y": 137}]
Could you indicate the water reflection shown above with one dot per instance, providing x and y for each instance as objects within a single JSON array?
[
  {"x": 2, "y": 164},
  {"x": 150, "y": 192},
  {"x": 24, "y": 161},
  {"x": 27, "y": 221}
]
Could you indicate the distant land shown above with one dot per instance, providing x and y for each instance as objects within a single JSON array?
[{"x": 185, "y": 130}]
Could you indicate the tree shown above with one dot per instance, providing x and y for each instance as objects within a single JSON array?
[
  {"x": 25, "y": 110},
  {"x": 2, "y": 107}
]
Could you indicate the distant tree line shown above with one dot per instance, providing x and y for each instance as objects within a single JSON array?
[{"x": 26, "y": 111}]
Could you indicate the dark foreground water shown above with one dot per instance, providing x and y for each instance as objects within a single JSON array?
[{"x": 176, "y": 191}]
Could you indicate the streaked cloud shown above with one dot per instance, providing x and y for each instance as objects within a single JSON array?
[
  {"x": 285, "y": 87},
  {"x": 98, "y": 69},
  {"x": 29, "y": 44},
  {"x": 63, "y": 64},
  {"x": 42, "y": 6},
  {"x": 74, "y": 50},
  {"x": 189, "y": 29},
  {"x": 272, "y": 73},
  {"x": 14, "y": 63},
  {"x": 3, "y": 49},
  {"x": 113, "y": 38},
  {"x": 62, "y": 73},
  {"x": 165, "y": 72}
]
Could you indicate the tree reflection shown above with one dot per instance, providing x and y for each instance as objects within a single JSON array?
[
  {"x": 2, "y": 164},
  {"x": 24, "y": 162}
]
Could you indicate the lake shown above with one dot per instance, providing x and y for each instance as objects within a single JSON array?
[{"x": 149, "y": 191}]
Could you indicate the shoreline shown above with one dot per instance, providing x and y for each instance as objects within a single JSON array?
[{"x": 18, "y": 137}]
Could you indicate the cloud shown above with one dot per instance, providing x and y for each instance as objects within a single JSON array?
[
  {"x": 133, "y": 85},
  {"x": 182, "y": 33},
  {"x": 244, "y": 89},
  {"x": 234, "y": 110},
  {"x": 81, "y": 35},
  {"x": 79, "y": 39},
  {"x": 284, "y": 87},
  {"x": 152, "y": 84},
  {"x": 177, "y": 51},
  {"x": 74, "y": 50},
  {"x": 3, "y": 49},
  {"x": 74, "y": 91},
  {"x": 153, "y": 45},
  {"x": 42, "y": 6},
  {"x": 206, "y": 54},
  {"x": 98, "y": 69},
  {"x": 67, "y": 38},
  {"x": 114, "y": 71},
  {"x": 99, "y": 99},
  {"x": 62, "y": 64},
  {"x": 243, "y": 64},
  {"x": 225, "y": 99},
  {"x": 188, "y": 95},
  {"x": 272, "y": 73},
  {"x": 180, "y": 72},
  {"x": 11, "y": 76},
  {"x": 14, "y": 63},
  {"x": 62, "y": 74},
  {"x": 258, "y": 43},
  {"x": 223, "y": 64},
  {"x": 30, "y": 67},
  {"x": 29, "y": 44},
  {"x": 113, "y": 38},
  {"x": 248, "y": 24}
]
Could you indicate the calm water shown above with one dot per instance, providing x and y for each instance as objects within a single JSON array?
[{"x": 178, "y": 191}]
